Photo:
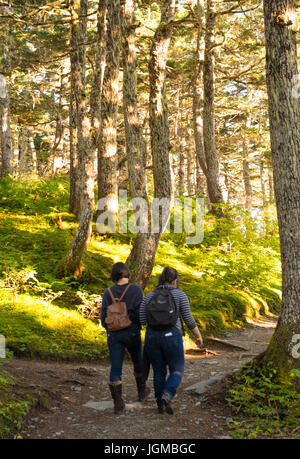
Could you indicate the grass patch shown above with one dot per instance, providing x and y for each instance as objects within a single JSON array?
[{"x": 45, "y": 331}]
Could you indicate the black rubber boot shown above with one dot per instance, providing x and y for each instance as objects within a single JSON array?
[
  {"x": 116, "y": 393},
  {"x": 143, "y": 390}
]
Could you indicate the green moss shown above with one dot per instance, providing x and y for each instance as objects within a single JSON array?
[
  {"x": 46, "y": 331},
  {"x": 279, "y": 350}
]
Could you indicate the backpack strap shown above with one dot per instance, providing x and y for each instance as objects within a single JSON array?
[
  {"x": 112, "y": 297},
  {"x": 123, "y": 294}
]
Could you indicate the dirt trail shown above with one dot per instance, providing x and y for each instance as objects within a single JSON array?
[{"x": 66, "y": 387}]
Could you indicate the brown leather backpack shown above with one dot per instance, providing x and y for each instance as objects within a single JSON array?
[{"x": 117, "y": 315}]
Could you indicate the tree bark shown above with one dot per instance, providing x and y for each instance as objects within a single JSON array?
[
  {"x": 108, "y": 152},
  {"x": 5, "y": 131},
  {"x": 73, "y": 143},
  {"x": 246, "y": 177},
  {"x": 135, "y": 143},
  {"x": 199, "y": 179},
  {"x": 158, "y": 118},
  {"x": 212, "y": 161},
  {"x": 198, "y": 89},
  {"x": 284, "y": 115},
  {"x": 73, "y": 261},
  {"x": 76, "y": 60},
  {"x": 32, "y": 153},
  {"x": 59, "y": 129},
  {"x": 181, "y": 172},
  {"x": 271, "y": 186},
  {"x": 23, "y": 161},
  {"x": 262, "y": 182},
  {"x": 85, "y": 169},
  {"x": 96, "y": 91},
  {"x": 158, "y": 110},
  {"x": 141, "y": 256}
]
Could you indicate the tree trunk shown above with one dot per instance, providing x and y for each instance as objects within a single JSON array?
[
  {"x": 59, "y": 129},
  {"x": 199, "y": 179},
  {"x": 141, "y": 254},
  {"x": 228, "y": 194},
  {"x": 79, "y": 244},
  {"x": 77, "y": 58},
  {"x": 212, "y": 161},
  {"x": 108, "y": 152},
  {"x": 96, "y": 92},
  {"x": 191, "y": 167},
  {"x": 246, "y": 177},
  {"x": 181, "y": 172},
  {"x": 158, "y": 110},
  {"x": 23, "y": 162},
  {"x": 262, "y": 182},
  {"x": 158, "y": 117},
  {"x": 198, "y": 89},
  {"x": 73, "y": 143},
  {"x": 5, "y": 132},
  {"x": 32, "y": 153},
  {"x": 284, "y": 115},
  {"x": 271, "y": 186},
  {"x": 86, "y": 165}
]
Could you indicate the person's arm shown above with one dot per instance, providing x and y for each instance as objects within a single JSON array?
[
  {"x": 199, "y": 339},
  {"x": 136, "y": 304},
  {"x": 185, "y": 311},
  {"x": 143, "y": 308},
  {"x": 104, "y": 305}
]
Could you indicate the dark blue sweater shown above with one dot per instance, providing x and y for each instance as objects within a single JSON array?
[{"x": 133, "y": 298}]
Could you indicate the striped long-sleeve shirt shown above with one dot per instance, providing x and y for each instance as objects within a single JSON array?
[{"x": 182, "y": 303}]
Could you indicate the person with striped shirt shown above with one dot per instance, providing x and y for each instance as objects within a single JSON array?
[{"x": 164, "y": 347}]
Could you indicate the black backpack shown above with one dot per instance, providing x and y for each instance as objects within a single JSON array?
[{"x": 161, "y": 310}]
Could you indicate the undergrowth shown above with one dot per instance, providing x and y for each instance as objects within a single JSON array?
[
  {"x": 13, "y": 406},
  {"x": 231, "y": 278},
  {"x": 264, "y": 405}
]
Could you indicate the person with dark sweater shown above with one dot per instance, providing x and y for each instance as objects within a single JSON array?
[{"x": 128, "y": 338}]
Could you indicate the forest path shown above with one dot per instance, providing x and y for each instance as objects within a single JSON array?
[{"x": 67, "y": 387}]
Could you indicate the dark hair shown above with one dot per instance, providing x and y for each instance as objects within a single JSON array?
[
  {"x": 119, "y": 270},
  {"x": 168, "y": 276}
]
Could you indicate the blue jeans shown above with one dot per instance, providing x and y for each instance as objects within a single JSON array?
[
  {"x": 165, "y": 350},
  {"x": 118, "y": 342}
]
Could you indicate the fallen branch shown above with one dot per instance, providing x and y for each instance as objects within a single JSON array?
[{"x": 226, "y": 343}]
